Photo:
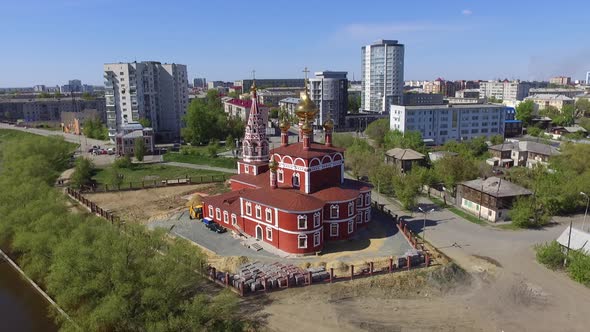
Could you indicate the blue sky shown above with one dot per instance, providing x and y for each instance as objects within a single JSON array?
[{"x": 49, "y": 42}]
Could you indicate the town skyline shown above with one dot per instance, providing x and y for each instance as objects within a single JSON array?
[{"x": 452, "y": 41}]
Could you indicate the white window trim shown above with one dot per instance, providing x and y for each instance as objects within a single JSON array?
[
  {"x": 249, "y": 208},
  {"x": 280, "y": 176},
  {"x": 316, "y": 219},
  {"x": 368, "y": 199},
  {"x": 316, "y": 239},
  {"x": 210, "y": 212},
  {"x": 332, "y": 228},
  {"x": 268, "y": 213},
  {"x": 225, "y": 217},
  {"x": 359, "y": 201},
  {"x": 269, "y": 232},
  {"x": 350, "y": 209},
  {"x": 218, "y": 213},
  {"x": 299, "y": 238},
  {"x": 299, "y": 218},
  {"x": 332, "y": 216},
  {"x": 234, "y": 219},
  {"x": 296, "y": 175},
  {"x": 350, "y": 227},
  {"x": 258, "y": 212},
  {"x": 367, "y": 215}
]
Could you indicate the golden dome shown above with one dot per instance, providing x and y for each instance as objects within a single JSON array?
[
  {"x": 328, "y": 124},
  {"x": 284, "y": 125},
  {"x": 306, "y": 128},
  {"x": 306, "y": 109},
  {"x": 273, "y": 165}
]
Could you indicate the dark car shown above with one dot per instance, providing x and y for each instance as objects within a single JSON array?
[{"x": 215, "y": 227}]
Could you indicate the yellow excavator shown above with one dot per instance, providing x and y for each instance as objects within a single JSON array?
[{"x": 195, "y": 207}]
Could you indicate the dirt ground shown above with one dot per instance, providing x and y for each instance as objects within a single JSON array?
[{"x": 139, "y": 206}]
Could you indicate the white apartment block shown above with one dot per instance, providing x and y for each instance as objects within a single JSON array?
[
  {"x": 329, "y": 91},
  {"x": 441, "y": 123},
  {"x": 151, "y": 90},
  {"x": 382, "y": 73},
  {"x": 514, "y": 90}
]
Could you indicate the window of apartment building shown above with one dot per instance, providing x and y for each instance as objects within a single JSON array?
[
  {"x": 268, "y": 215},
  {"x": 301, "y": 221},
  {"x": 443, "y": 132},
  {"x": 334, "y": 229},
  {"x": 316, "y": 219},
  {"x": 494, "y": 130},
  {"x": 334, "y": 211},
  {"x": 350, "y": 226},
  {"x": 302, "y": 241},
  {"x": 249, "y": 208},
  {"x": 269, "y": 233},
  {"x": 484, "y": 130},
  {"x": 464, "y": 131},
  {"x": 225, "y": 217},
  {"x": 316, "y": 239},
  {"x": 121, "y": 73},
  {"x": 483, "y": 124},
  {"x": 474, "y": 131},
  {"x": 258, "y": 212}
]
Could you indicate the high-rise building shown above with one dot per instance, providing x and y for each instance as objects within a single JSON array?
[
  {"x": 561, "y": 80},
  {"x": 382, "y": 73},
  {"x": 588, "y": 78},
  {"x": 329, "y": 91},
  {"x": 200, "y": 83},
  {"x": 39, "y": 88},
  {"x": 511, "y": 90},
  {"x": 151, "y": 90}
]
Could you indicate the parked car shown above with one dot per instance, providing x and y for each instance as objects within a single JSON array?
[
  {"x": 90, "y": 150},
  {"x": 111, "y": 151},
  {"x": 213, "y": 226}
]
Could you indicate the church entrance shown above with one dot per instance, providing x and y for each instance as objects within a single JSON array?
[{"x": 258, "y": 233}]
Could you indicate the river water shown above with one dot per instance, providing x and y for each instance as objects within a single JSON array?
[{"x": 22, "y": 308}]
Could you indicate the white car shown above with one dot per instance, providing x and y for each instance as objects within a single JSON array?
[{"x": 111, "y": 151}]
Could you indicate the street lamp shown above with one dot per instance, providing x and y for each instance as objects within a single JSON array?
[
  {"x": 586, "y": 213},
  {"x": 424, "y": 226}
]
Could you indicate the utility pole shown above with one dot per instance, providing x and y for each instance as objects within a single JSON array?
[
  {"x": 424, "y": 224},
  {"x": 585, "y": 213},
  {"x": 569, "y": 238}
]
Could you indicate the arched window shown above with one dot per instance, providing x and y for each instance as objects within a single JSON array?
[
  {"x": 268, "y": 215},
  {"x": 249, "y": 208},
  {"x": 350, "y": 208},
  {"x": 258, "y": 212},
  {"x": 302, "y": 241},
  {"x": 316, "y": 239},
  {"x": 334, "y": 229},
  {"x": 301, "y": 221},
  {"x": 334, "y": 211},
  {"x": 280, "y": 176},
  {"x": 316, "y": 219},
  {"x": 296, "y": 180},
  {"x": 225, "y": 217},
  {"x": 350, "y": 227}
]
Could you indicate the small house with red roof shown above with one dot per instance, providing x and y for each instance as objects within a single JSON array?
[
  {"x": 293, "y": 197},
  {"x": 241, "y": 108}
]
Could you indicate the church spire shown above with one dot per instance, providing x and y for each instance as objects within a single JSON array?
[{"x": 255, "y": 147}]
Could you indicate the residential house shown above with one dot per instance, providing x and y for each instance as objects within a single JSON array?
[
  {"x": 523, "y": 153},
  {"x": 125, "y": 139},
  {"x": 545, "y": 100},
  {"x": 489, "y": 199},
  {"x": 240, "y": 108},
  {"x": 404, "y": 159}
]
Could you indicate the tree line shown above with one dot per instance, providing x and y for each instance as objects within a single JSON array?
[{"x": 105, "y": 277}]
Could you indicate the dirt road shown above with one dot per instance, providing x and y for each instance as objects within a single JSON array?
[{"x": 510, "y": 290}]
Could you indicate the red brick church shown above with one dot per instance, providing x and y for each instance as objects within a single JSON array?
[{"x": 294, "y": 197}]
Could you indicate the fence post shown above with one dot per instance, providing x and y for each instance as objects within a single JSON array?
[
  {"x": 351, "y": 272},
  {"x": 226, "y": 278},
  {"x": 265, "y": 284},
  {"x": 427, "y": 260},
  {"x": 241, "y": 288},
  {"x": 331, "y": 274},
  {"x": 287, "y": 277},
  {"x": 309, "y": 274},
  {"x": 201, "y": 179},
  {"x": 408, "y": 262},
  {"x": 370, "y": 268},
  {"x": 390, "y": 264}
]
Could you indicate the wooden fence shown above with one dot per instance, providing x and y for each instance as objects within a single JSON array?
[
  {"x": 124, "y": 186},
  {"x": 93, "y": 207}
]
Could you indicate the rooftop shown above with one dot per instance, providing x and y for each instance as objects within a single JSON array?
[
  {"x": 316, "y": 150},
  {"x": 530, "y": 146},
  {"x": 549, "y": 96},
  {"x": 290, "y": 100},
  {"x": 579, "y": 240},
  {"x": 404, "y": 154},
  {"x": 284, "y": 199},
  {"x": 247, "y": 103},
  {"x": 447, "y": 106},
  {"x": 497, "y": 187}
]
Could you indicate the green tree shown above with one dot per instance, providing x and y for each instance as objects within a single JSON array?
[
  {"x": 44, "y": 95},
  {"x": 139, "y": 148},
  {"x": 497, "y": 139},
  {"x": 495, "y": 100},
  {"x": 407, "y": 188},
  {"x": 452, "y": 170},
  {"x": 585, "y": 123},
  {"x": 234, "y": 94},
  {"x": 354, "y": 104},
  {"x": 382, "y": 176},
  {"x": 582, "y": 107},
  {"x": 145, "y": 122},
  {"x": 94, "y": 128},
  {"x": 115, "y": 177},
  {"x": 83, "y": 172},
  {"x": 343, "y": 140},
  {"x": 230, "y": 142},
  {"x": 274, "y": 113},
  {"x": 377, "y": 129},
  {"x": 535, "y": 131},
  {"x": 406, "y": 140},
  {"x": 566, "y": 117},
  {"x": 525, "y": 111},
  {"x": 87, "y": 96},
  {"x": 528, "y": 212},
  {"x": 213, "y": 148},
  {"x": 57, "y": 94},
  {"x": 123, "y": 162}
]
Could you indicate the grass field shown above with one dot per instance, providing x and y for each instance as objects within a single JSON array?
[
  {"x": 10, "y": 134},
  {"x": 200, "y": 157},
  {"x": 152, "y": 172}
]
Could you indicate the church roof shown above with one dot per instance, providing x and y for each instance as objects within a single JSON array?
[
  {"x": 316, "y": 150},
  {"x": 284, "y": 199},
  {"x": 229, "y": 201},
  {"x": 349, "y": 190}
]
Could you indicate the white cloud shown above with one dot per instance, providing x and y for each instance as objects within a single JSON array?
[{"x": 466, "y": 12}]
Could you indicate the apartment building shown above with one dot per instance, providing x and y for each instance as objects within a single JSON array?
[
  {"x": 270, "y": 83},
  {"x": 272, "y": 96},
  {"x": 514, "y": 90},
  {"x": 441, "y": 123},
  {"x": 440, "y": 86},
  {"x": 48, "y": 109},
  {"x": 561, "y": 80},
  {"x": 329, "y": 91},
  {"x": 382, "y": 73},
  {"x": 151, "y": 90},
  {"x": 556, "y": 91},
  {"x": 554, "y": 100}
]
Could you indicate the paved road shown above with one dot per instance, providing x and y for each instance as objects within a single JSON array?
[
  {"x": 567, "y": 301},
  {"x": 205, "y": 167}
]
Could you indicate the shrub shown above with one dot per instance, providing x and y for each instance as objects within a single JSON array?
[
  {"x": 579, "y": 267},
  {"x": 550, "y": 255},
  {"x": 212, "y": 148},
  {"x": 123, "y": 162}
]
